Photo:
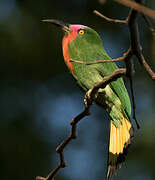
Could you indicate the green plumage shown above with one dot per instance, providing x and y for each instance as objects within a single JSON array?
[
  {"x": 114, "y": 98},
  {"x": 84, "y": 44}
]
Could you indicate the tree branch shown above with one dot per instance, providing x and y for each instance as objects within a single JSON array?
[
  {"x": 138, "y": 7},
  {"x": 109, "y": 19},
  {"x": 108, "y": 79},
  {"x": 146, "y": 66},
  {"x": 98, "y": 61},
  {"x": 88, "y": 102},
  {"x": 151, "y": 28},
  {"x": 133, "y": 103},
  {"x": 123, "y": 58},
  {"x": 66, "y": 141}
]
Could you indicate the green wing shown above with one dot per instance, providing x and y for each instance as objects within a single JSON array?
[
  {"x": 118, "y": 86},
  {"x": 84, "y": 52}
]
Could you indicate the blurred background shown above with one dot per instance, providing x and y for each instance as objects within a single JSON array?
[{"x": 38, "y": 96}]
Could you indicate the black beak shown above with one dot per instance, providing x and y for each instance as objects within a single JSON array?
[{"x": 62, "y": 25}]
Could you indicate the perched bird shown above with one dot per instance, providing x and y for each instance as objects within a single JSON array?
[{"x": 84, "y": 44}]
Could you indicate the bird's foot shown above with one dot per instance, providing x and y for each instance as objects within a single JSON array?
[{"x": 88, "y": 100}]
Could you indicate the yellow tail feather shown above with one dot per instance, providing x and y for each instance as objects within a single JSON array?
[{"x": 120, "y": 138}]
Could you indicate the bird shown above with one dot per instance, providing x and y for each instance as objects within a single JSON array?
[{"x": 84, "y": 44}]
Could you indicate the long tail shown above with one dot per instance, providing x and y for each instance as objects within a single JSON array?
[{"x": 120, "y": 139}]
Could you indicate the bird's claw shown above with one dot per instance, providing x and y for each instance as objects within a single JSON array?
[{"x": 88, "y": 98}]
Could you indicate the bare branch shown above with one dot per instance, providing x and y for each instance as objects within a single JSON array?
[
  {"x": 125, "y": 55},
  {"x": 108, "y": 79},
  {"x": 66, "y": 141},
  {"x": 146, "y": 66},
  {"x": 98, "y": 61},
  {"x": 138, "y": 7},
  {"x": 133, "y": 103},
  {"x": 149, "y": 25},
  {"x": 110, "y": 19}
]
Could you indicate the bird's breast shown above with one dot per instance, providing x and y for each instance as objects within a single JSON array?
[{"x": 65, "y": 43}]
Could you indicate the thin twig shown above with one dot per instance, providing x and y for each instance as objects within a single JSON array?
[
  {"x": 146, "y": 66},
  {"x": 108, "y": 79},
  {"x": 98, "y": 61},
  {"x": 151, "y": 28},
  {"x": 133, "y": 102},
  {"x": 109, "y": 19},
  {"x": 138, "y": 7},
  {"x": 66, "y": 141},
  {"x": 125, "y": 55}
]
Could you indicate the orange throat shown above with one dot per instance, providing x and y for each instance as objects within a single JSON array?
[{"x": 65, "y": 43}]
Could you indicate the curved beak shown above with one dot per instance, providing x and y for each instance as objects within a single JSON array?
[{"x": 62, "y": 25}]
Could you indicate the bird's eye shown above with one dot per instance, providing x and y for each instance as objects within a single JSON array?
[{"x": 81, "y": 32}]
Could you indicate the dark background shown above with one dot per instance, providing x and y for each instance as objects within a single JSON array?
[{"x": 38, "y": 96}]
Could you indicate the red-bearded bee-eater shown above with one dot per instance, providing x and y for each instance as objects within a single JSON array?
[{"x": 84, "y": 44}]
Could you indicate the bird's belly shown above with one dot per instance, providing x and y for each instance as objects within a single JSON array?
[{"x": 110, "y": 101}]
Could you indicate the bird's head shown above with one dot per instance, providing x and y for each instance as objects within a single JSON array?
[
  {"x": 78, "y": 41},
  {"x": 77, "y": 32}
]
